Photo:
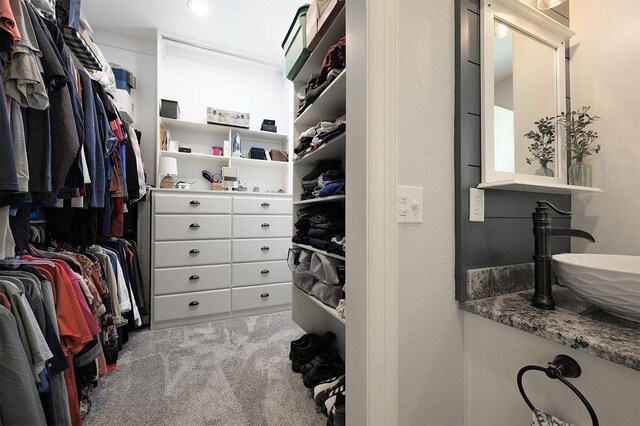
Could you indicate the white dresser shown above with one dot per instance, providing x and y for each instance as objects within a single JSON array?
[{"x": 218, "y": 255}]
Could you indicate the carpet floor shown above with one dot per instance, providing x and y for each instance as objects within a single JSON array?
[{"x": 231, "y": 372}]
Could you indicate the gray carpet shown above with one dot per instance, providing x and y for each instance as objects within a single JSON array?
[{"x": 232, "y": 372}]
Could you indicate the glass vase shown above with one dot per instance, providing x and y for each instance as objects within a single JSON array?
[
  {"x": 580, "y": 174},
  {"x": 544, "y": 171}
]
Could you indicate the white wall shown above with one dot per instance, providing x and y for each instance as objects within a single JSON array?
[
  {"x": 199, "y": 79},
  {"x": 430, "y": 376},
  {"x": 139, "y": 57},
  {"x": 604, "y": 70}
]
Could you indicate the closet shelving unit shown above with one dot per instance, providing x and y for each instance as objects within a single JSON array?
[
  {"x": 269, "y": 176},
  {"x": 309, "y": 313}
]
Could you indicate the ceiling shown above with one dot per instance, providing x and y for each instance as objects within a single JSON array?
[{"x": 253, "y": 28}]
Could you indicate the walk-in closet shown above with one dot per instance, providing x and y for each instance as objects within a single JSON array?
[{"x": 173, "y": 229}]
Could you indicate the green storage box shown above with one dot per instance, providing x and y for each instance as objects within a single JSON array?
[{"x": 295, "y": 44}]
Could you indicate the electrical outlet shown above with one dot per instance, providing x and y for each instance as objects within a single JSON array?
[{"x": 476, "y": 205}]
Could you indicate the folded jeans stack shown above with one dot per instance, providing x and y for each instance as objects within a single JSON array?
[{"x": 326, "y": 179}]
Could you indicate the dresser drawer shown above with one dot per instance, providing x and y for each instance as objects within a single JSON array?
[
  {"x": 261, "y": 226},
  {"x": 250, "y": 205},
  {"x": 260, "y": 273},
  {"x": 261, "y": 296},
  {"x": 186, "y": 280},
  {"x": 191, "y": 253},
  {"x": 191, "y": 203},
  {"x": 260, "y": 250},
  {"x": 191, "y": 305},
  {"x": 191, "y": 227}
]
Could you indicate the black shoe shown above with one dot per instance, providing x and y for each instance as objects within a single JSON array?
[
  {"x": 322, "y": 390},
  {"x": 339, "y": 411},
  {"x": 322, "y": 372},
  {"x": 329, "y": 404},
  {"x": 314, "y": 346},
  {"x": 328, "y": 357},
  {"x": 304, "y": 340}
]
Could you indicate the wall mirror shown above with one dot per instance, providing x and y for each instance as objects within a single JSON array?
[{"x": 523, "y": 81}]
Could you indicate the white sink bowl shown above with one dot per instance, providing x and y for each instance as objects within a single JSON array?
[{"x": 610, "y": 281}]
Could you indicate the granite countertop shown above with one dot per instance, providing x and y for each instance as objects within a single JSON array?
[{"x": 574, "y": 323}]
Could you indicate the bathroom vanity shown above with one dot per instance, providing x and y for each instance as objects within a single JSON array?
[{"x": 503, "y": 333}]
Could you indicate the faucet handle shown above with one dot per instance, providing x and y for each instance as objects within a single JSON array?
[{"x": 541, "y": 204}]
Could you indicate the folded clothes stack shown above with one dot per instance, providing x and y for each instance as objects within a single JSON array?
[
  {"x": 316, "y": 136},
  {"x": 333, "y": 64},
  {"x": 321, "y": 227},
  {"x": 325, "y": 180}
]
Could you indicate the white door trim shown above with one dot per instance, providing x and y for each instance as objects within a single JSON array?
[{"x": 372, "y": 253}]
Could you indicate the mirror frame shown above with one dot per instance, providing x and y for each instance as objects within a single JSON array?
[{"x": 535, "y": 24}]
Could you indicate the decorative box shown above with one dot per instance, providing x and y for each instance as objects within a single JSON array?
[{"x": 228, "y": 118}]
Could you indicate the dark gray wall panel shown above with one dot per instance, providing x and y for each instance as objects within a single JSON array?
[
  {"x": 506, "y": 236},
  {"x": 472, "y": 88},
  {"x": 474, "y": 44},
  {"x": 471, "y": 136}
]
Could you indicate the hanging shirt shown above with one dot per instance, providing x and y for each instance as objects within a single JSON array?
[{"x": 19, "y": 400}]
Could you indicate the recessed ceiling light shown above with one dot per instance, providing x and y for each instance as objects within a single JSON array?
[{"x": 199, "y": 7}]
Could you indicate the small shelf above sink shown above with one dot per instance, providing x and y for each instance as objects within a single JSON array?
[{"x": 546, "y": 188}]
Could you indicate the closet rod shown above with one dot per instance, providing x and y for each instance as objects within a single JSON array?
[{"x": 222, "y": 52}]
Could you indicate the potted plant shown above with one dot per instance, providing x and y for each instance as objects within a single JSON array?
[
  {"x": 580, "y": 143},
  {"x": 542, "y": 148}
]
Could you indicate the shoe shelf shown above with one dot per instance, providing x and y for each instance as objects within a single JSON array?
[
  {"x": 326, "y": 253},
  {"x": 333, "y": 149},
  {"x": 319, "y": 200},
  {"x": 324, "y": 307},
  {"x": 330, "y": 105}
]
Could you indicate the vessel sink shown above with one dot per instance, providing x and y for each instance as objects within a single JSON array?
[{"x": 609, "y": 281}]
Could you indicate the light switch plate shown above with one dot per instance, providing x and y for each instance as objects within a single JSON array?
[
  {"x": 409, "y": 204},
  {"x": 476, "y": 205}
]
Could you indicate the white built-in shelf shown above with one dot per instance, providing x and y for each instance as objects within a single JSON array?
[
  {"x": 257, "y": 163},
  {"x": 194, "y": 155},
  {"x": 545, "y": 188},
  {"x": 330, "y": 105},
  {"x": 324, "y": 307},
  {"x": 204, "y": 191},
  {"x": 331, "y": 150},
  {"x": 313, "y": 64},
  {"x": 326, "y": 253},
  {"x": 321, "y": 200},
  {"x": 250, "y": 162},
  {"x": 38, "y": 221},
  {"x": 171, "y": 123}
]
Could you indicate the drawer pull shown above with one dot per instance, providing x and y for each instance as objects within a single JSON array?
[
  {"x": 264, "y": 271},
  {"x": 264, "y": 248},
  {"x": 265, "y": 204},
  {"x": 264, "y": 295},
  {"x": 194, "y": 251},
  {"x": 194, "y": 277},
  {"x": 195, "y": 203},
  {"x": 194, "y": 303},
  {"x": 194, "y": 226},
  {"x": 265, "y": 225}
]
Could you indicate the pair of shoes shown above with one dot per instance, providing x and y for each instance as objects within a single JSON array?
[
  {"x": 322, "y": 372},
  {"x": 302, "y": 341},
  {"x": 328, "y": 357},
  {"x": 309, "y": 348}
]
